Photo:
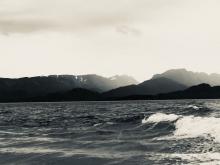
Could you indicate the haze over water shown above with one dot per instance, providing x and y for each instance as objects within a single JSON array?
[{"x": 113, "y": 133}]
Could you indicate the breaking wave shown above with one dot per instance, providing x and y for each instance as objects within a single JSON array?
[
  {"x": 189, "y": 126},
  {"x": 160, "y": 117}
]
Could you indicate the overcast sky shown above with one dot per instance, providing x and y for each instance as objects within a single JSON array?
[{"x": 108, "y": 37}]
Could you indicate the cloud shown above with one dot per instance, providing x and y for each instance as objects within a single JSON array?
[
  {"x": 69, "y": 15},
  {"x": 27, "y": 16}
]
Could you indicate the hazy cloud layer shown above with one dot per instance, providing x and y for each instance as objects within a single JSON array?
[
  {"x": 71, "y": 15},
  {"x": 75, "y": 15}
]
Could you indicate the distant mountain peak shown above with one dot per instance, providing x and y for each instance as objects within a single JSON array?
[
  {"x": 149, "y": 87},
  {"x": 190, "y": 78},
  {"x": 180, "y": 70},
  {"x": 128, "y": 80}
]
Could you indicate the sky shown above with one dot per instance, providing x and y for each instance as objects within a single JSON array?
[{"x": 108, "y": 37}]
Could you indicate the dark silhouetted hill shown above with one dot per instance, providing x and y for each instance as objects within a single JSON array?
[
  {"x": 202, "y": 91},
  {"x": 77, "y": 94}
]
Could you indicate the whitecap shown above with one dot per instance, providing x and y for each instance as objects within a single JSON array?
[
  {"x": 193, "y": 107},
  {"x": 160, "y": 117},
  {"x": 98, "y": 124}
]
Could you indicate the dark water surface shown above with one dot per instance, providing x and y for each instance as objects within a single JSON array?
[{"x": 110, "y": 133}]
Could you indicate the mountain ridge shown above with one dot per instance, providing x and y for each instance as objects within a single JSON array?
[
  {"x": 102, "y": 88},
  {"x": 42, "y": 85},
  {"x": 152, "y": 86},
  {"x": 190, "y": 78}
]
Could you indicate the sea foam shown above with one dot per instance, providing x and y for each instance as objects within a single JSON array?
[
  {"x": 191, "y": 127},
  {"x": 207, "y": 158}
]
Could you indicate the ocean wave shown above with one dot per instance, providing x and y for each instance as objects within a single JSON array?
[
  {"x": 213, "y": 105},
  {"x": 189, "y": 126},
  {"x": 11, "y": 133},
  {"x": 193, "y": 107},
  {"x": 128, "y": 118},
  {"x": 59, "y": 152},
  {"x": 160, "y": 117}
]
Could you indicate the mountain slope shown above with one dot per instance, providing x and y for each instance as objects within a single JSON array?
[
  {"x": 123, "y": 80},
  {"x": 189, "y": 78},
  {"x": 150, "y": 87}
]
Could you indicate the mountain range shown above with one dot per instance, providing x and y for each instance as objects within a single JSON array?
[
  {"x": 13, "y": 89},
  {"x": 149, "y": 87},
  {"x": 169, "y": 81},
  {"x": 95, "y": 87}
]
